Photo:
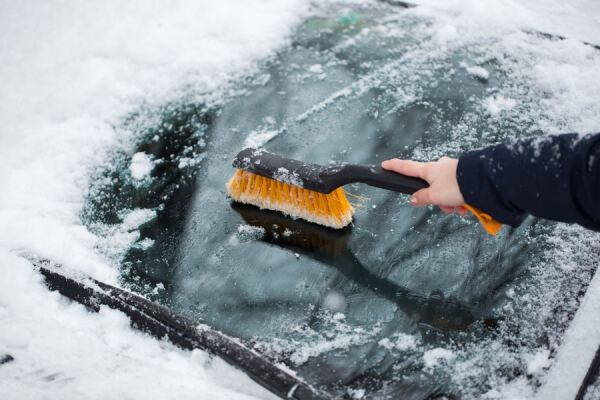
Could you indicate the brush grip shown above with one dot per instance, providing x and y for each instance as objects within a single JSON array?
[
  {"x": 374, "y": 176},
  {"x": 381, "y": 178}
]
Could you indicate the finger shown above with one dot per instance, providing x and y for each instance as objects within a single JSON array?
[
  {"x": 421, "y": 198},
  {"x": 447, "y": 210},
  {"x": 461, "y": 210},
  {"x": 406, "y": 167}
]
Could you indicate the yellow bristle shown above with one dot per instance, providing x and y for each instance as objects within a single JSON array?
[{"x": 331, "y": 209}]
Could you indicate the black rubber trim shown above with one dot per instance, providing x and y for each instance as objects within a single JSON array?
[
  {"x": 553, "y": 36},
  {"x": 6, "y": 358},
  {"x": 160, "y": 322},
  {"x": 398, "y": 3},
  {"x": 591, "y": 374}
]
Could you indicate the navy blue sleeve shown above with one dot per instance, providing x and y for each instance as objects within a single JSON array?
[{"x": 553, "y": 177}]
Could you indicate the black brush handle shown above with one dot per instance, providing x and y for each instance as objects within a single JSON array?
[
  {"x": 322, "y": 179},
  {"x": 373, "y": 176}
]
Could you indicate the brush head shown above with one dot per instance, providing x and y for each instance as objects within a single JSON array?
[{"x": 332, "y": 209}]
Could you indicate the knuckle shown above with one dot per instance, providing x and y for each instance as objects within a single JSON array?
[
  {"x": 434, "y": 197},
  {"x": 424, "y": 196},
  {"x": 427, "y": 169}
]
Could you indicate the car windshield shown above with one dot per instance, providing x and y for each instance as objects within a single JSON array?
[{"x": 405, "y": 301}]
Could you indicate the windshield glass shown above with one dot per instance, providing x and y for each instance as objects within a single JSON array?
[{"x": 405, "y": 301}]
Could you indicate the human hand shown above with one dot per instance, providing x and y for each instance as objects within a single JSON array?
[{"x": 443, "y": 190}]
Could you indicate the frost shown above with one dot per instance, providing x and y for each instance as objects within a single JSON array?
[{"x": 339, "y": 335}]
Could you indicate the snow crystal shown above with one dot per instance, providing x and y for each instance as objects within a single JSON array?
[
  {"x": 284, "y": 175},
  {"x": 537, "y": 362},
  {"x": 401, "y": 343},
  {"x": 259, "y": 138},
  {"x": 316, "y": 68},
  {"x": 187, "y": 162},
  {"x": 334, "y": 301},
  {"x": 385, "y": 342},
  {"x": 145, "y": 243},
  {"x": 356, "y": 393},
  {"x": 446, "y": 34},
  {"x": 133, "y": 219},
  {"x": 498, "y": 103},
  {"x": 141, "y": 166},
  {"x": 476, "y": 71},
  {"x": 338, "y": 316},
  {"x": 432, "y": 358},
  {"x": 287, "y": 232},
  {"x": 250, "y": 232},
  {"x": 250, "y": 229}
]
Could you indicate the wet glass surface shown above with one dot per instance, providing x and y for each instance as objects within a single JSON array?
[{"x": 402, "y": 299}]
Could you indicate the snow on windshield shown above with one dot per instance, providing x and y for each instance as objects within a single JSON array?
[{"x": 72, "y": 73}]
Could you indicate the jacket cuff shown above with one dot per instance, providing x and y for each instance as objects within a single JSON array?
[{"x": 474, "y": 180}]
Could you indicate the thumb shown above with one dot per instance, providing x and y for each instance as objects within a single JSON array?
[{"x": 421, "y": 197}]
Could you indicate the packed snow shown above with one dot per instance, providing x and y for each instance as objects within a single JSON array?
[{"x": 71, "y": 73}]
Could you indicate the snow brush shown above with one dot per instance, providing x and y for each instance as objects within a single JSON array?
[{"x": 314, "y": 192}]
